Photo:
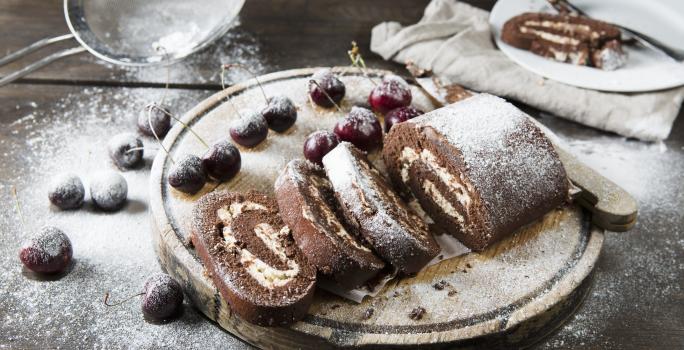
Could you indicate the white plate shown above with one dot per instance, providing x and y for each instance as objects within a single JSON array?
[{"x": 645, "y": 70}]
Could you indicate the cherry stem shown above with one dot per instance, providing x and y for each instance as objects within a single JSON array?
[
  {"x": 312, "y": 81},
  {"x": 358, "y": 62},
  {"x": 149, "y": 122},
  {"x": 18, "y": 205},
  {"x": 137, "y": 149},
  {"x": 168, "y": 75},
  {"x": 223, "y": 87},
  {"x": 106, "y": 299},
  {"x": 191, "y": 131},
  {"x": 241, "y": 66}
]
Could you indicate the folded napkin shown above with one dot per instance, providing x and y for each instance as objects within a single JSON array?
[{"x": 453, "y": 40}]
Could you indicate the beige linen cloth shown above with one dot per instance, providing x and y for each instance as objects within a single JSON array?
[{"x": 453, "y": 40}]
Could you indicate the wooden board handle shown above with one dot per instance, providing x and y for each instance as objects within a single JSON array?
[{"x": 612, "y": 207}]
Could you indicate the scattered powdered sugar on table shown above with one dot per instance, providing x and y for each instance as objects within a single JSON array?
[
  {"x": 639, "y": 273},
  {"x": 112, "y": 251}
]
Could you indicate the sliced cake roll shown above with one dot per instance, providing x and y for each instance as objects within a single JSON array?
[
  {"x": 480, "y": 168},
  {"x": 308, "y": 206},
  {"x": 369, "y": 204},
  {"x": 571, "y": 39},
  {"x": 252, "y": 257}
]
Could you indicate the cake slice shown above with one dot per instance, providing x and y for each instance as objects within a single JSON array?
[
  {"x": 308, "y": 206},
  {"x": 480, "y": 168},
  {"x": 251, "y": 257},
  {"x": 564, "y": 38},
  {"x": 397, "y": 234}
]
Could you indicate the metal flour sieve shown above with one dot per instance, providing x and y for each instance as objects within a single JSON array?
[{"x": 135, "y": 32}]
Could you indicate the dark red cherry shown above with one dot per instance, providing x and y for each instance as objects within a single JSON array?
[
  {"x": 187, "y": 174},
  {"x": 361, "y": 128},
  {"x": 318, "y": 144},
  {"x": 280, "y": 113},
  {"x": 330, "y": 84},
  {"x": 48, "y": 252},
  {"x": 399, "y": 115},
  {"x": 222, "y": 161},
  {"x": 66, "y": 191},
  {"x": 250, "y": 129},
  {"x": 159, "y": 117},
  {"x": 391, "y": 93},
  {"x": 125, "y": 150},
  {"x": 162, "y": 297}
]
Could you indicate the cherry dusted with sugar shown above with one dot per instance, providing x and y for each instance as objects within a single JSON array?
[
  {"x": 188, "y": 174},
  {"x": 280, "y": 113},
  {"x": 361, "y": 128},
  {"x": 66, "y": 191},
  {"x": 108, "y": 190},
  {"x": 125, "y": 150},
  {"x": 48, "y": 252},
  {"x": 393, "y": 92},
  {"x": 249, "y": 129},
  {"x": 157, "y": 115},
  {"x": 162, "y": 297},
  {"x": 222, "y": 160},
  {"x": 318, "y": 144},
  {"x": 400, "y": 115},
  {"x": 328, "y": 84}
]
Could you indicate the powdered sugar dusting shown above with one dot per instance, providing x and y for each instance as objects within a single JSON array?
[
  {"x": 108, "y": 189},
  {"x": 67, "y": 187},
  {"x": 51, "y": 241},
  {"x": 396, "y": 80},
  {"x": 364, "y": 120},
  {"x": 250, "y": 121},
  {"x": 281, "y": 104}
]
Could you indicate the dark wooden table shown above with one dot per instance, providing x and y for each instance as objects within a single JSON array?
[{"x": 636, "y": 302}]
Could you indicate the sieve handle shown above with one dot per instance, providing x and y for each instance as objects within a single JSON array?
[
  {"x": 40, "y": 63},
  {"x": 33, "y": 47}
]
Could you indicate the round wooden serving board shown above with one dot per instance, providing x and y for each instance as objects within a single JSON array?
[{"x": 513, "y": 293}]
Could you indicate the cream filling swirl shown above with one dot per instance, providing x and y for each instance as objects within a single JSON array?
[
  {"x": 409, "y": 156},
  {"x": 265, "y": 274},
  {"x": 559, "y": 39}
]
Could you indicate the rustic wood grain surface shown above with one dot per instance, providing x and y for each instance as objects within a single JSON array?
[{"x": 636, "y": 301}]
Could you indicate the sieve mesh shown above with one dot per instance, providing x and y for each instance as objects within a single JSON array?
[{"x": 144, "y": 32}]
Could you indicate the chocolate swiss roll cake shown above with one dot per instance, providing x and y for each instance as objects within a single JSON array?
[
  {"x": 397, "y": 234},
  {"x": 308, "y": 206},
  {"x": 251, "y": 257},
  {"x": 480, "y": 168},
  {"x": 571, "y": 39}
]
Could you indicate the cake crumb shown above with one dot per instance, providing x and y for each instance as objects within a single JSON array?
[
  {"x": 440, "y": 285},
  {"x": 368, "y": 313},
  {"x": 417, "y": 313}
]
